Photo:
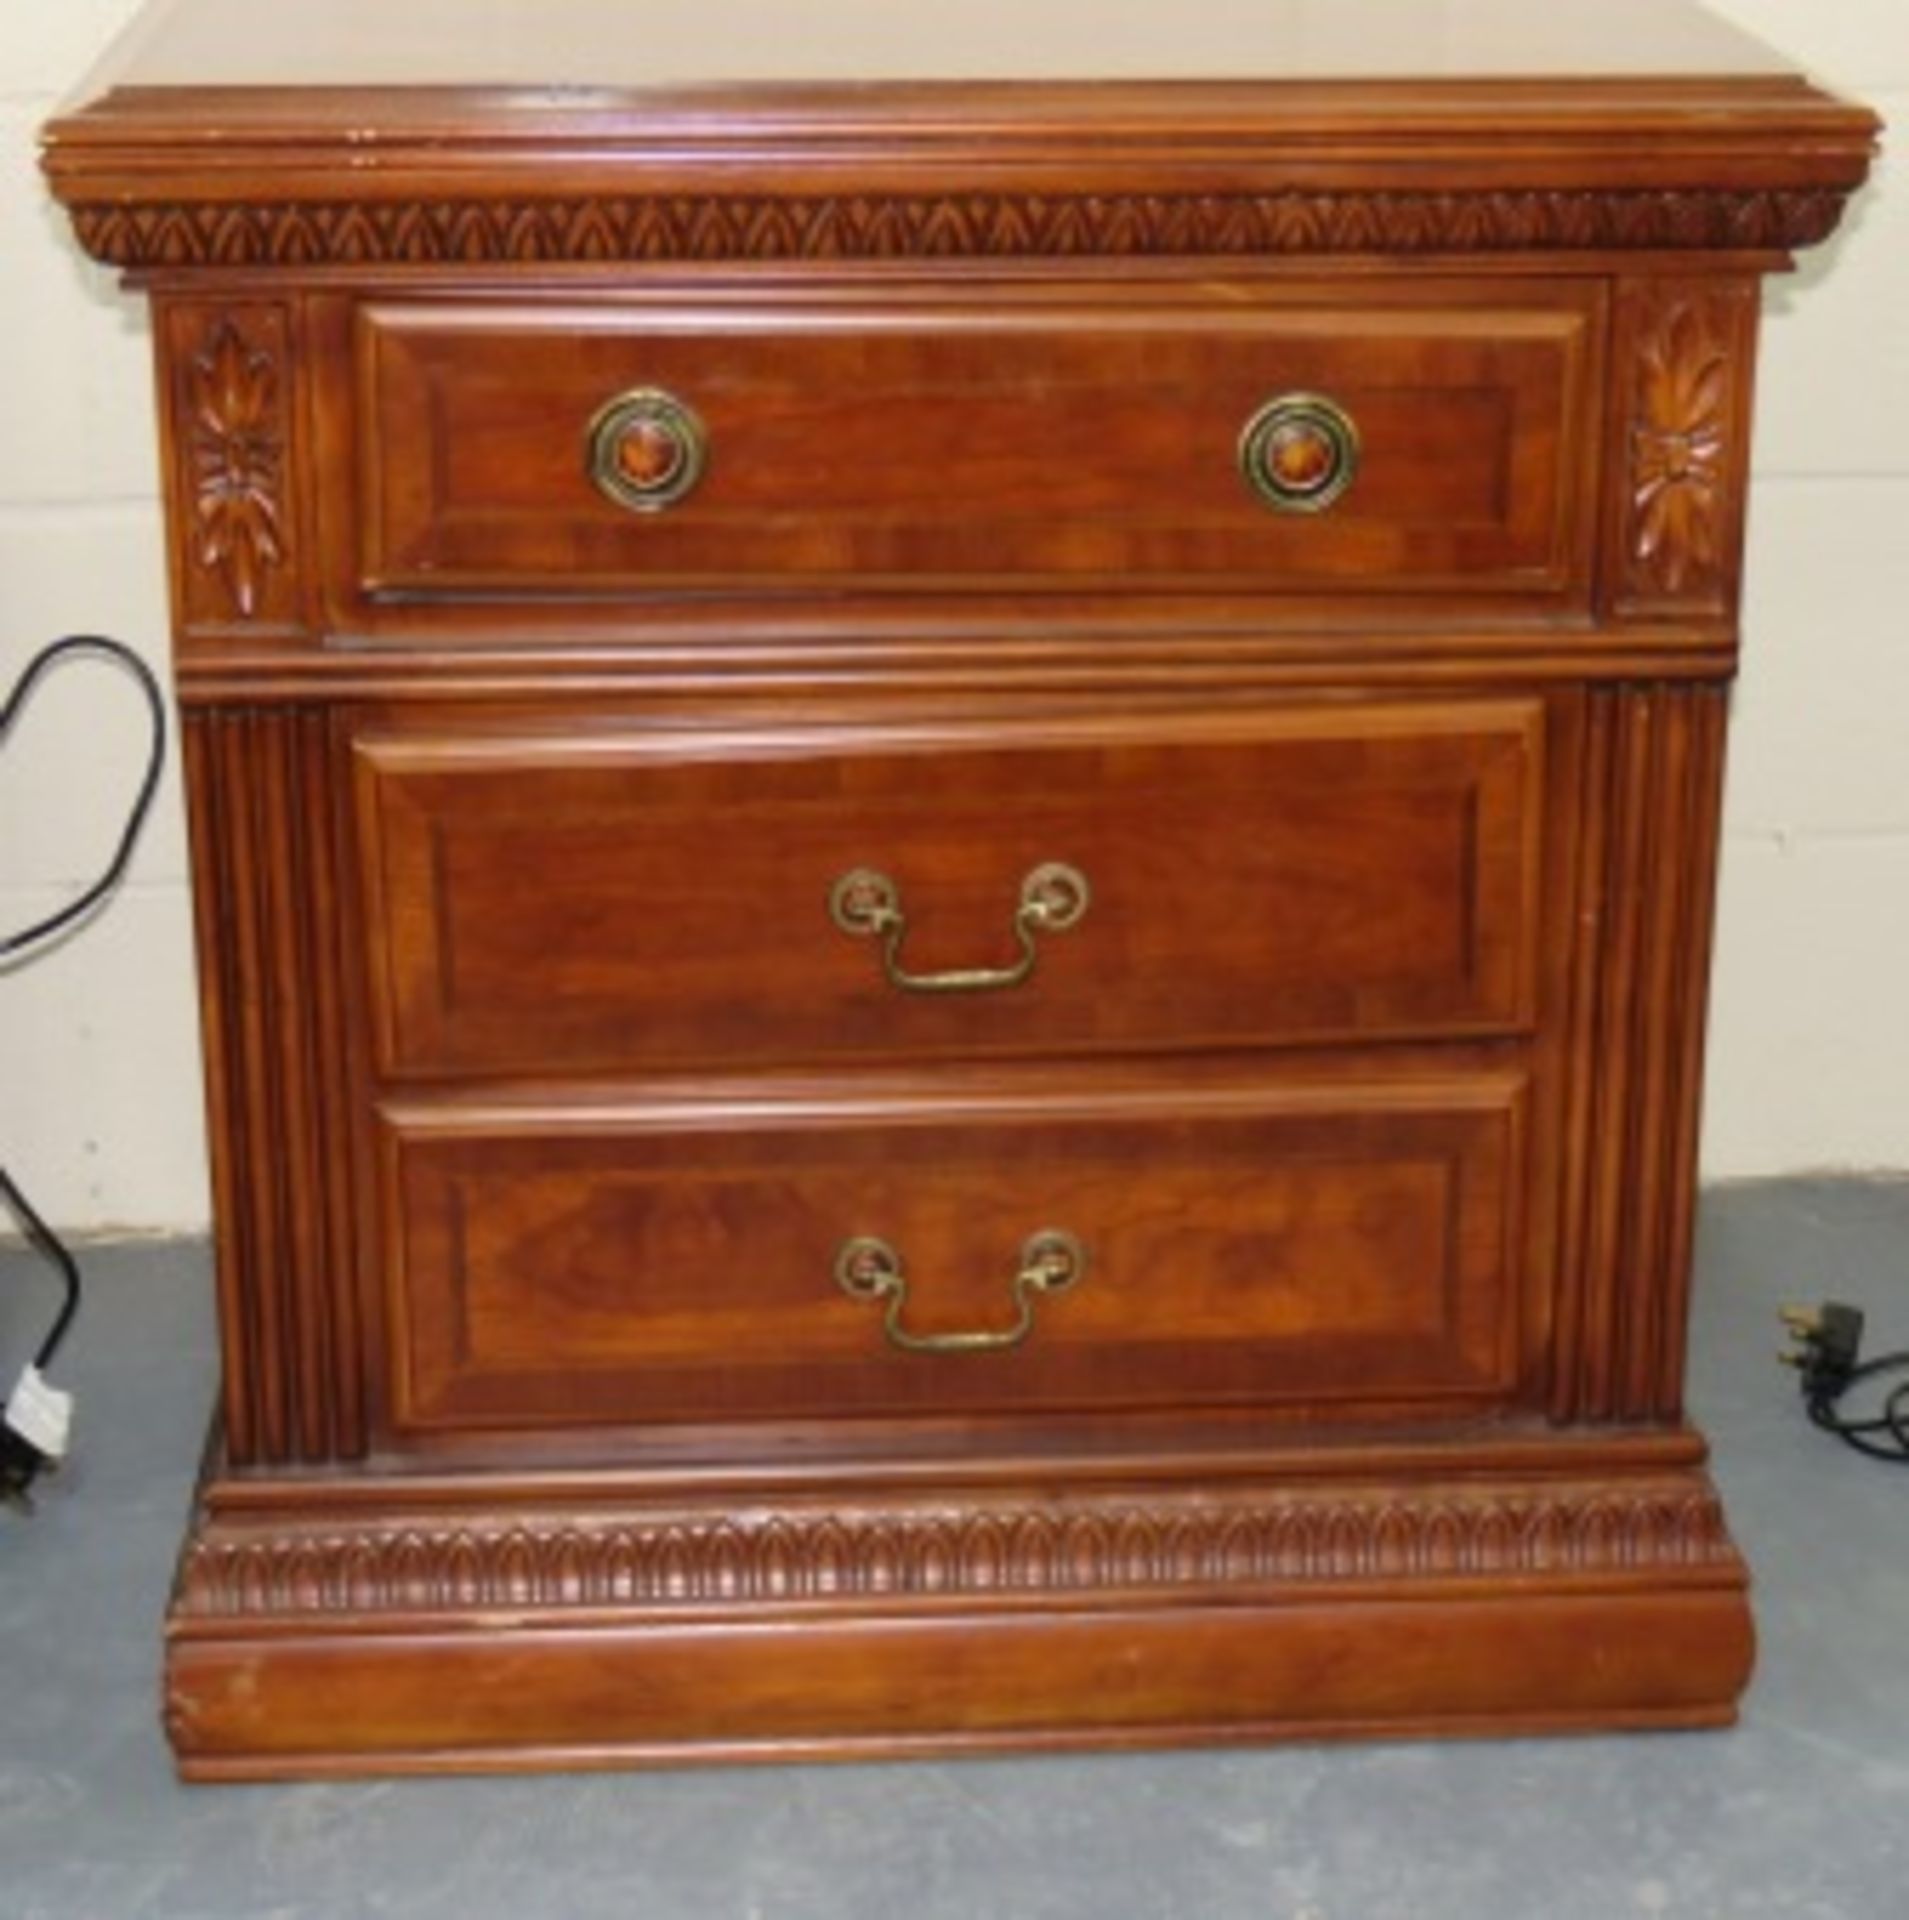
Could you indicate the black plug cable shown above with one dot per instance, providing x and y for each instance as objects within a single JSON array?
[
  {"x": 54, "y": 1250},
  {"x": 1826, "y": 1350},
  {"x": 35, "y": 1420},
  {"x": 82, "y": 646}
]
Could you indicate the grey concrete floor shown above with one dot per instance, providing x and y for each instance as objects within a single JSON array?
[{"x": 1802, "y": 1813}]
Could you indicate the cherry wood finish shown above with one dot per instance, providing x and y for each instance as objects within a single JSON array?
[
  {"x": 549, "y": 1074},
  {"x": 545, "y": 900},
  {"x": 1255, "y": 1243},
  {"x": 1004, "y": 443}
]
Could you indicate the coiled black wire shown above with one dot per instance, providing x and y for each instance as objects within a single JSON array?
[
  {"x": 15, "y": 947},
  {"x": 1883, "y": 1436},
  {"x": 54, "y": 1250},
  {"x": 96, "y": 646}
]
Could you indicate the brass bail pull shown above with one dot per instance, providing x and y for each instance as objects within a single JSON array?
[
  {"x": 867, "y": 903},
  {"x": 870, "y": 1269}
]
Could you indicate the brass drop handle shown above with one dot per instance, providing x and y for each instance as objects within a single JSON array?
[
  {"x": 1300, "y": 453},
  {"x": 646, "y": 450},
  {"x": 865, "y": 902},
  {"x": 870, "y": 1269}
]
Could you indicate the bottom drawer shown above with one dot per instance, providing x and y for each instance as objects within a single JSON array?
[{"x": 1008, "y": 1249}]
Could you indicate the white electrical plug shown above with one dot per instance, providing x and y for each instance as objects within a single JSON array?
[{"x": 42, "y": 1415}]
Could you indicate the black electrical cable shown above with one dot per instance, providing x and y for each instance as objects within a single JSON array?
[
  {"x": 1885, "y": 1436},
  {"x": 50, "y": 1244},
  {"x": 80, "y": 646}
]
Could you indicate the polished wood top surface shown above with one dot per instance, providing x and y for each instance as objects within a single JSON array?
[
  {"x": 436, "y": 100},
  {"x": 610, "y": 45},
  {"x": 580, "y": 130}
]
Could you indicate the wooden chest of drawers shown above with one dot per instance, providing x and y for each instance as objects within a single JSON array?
[{"x": 954, "y": 799}]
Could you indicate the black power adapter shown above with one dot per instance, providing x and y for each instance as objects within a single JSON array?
[{"x": 1826, "y": 1349}]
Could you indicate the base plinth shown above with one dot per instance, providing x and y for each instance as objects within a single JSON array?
[{"x": 323, "y": 1631}]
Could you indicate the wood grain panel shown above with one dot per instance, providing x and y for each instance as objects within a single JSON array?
[
  {"x": 1253, "y": 1243},
  {"x": 596, "y": 896},
  {"x": 911, "y": 443},
  {"x": 317, "y": 1706}
]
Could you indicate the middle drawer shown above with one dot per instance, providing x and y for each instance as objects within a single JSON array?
[{"x": 600, "y": 897}]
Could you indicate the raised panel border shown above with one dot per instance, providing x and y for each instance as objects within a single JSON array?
[
  {"x": 401, "y": 877},
  {"x": 391, "y": 409},
  {"x": 440, "y": 1383}
]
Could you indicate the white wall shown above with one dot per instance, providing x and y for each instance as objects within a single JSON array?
[
  {"x": 99, "y": 1088},
  {"x": 1810, "y": 1037},
  {"x": 99, "y": 1097}
]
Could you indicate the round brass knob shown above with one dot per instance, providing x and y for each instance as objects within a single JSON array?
[
  {"x": 1300, "y": 453},
  {"x": 646, "y": 450}
]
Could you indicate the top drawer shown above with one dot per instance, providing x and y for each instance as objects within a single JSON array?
[{"x": 1436, "y": 443}]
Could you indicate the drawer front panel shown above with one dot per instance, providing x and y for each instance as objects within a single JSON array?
[
  {"x": 1236, "y": 1245},
  {"x": 997, "y": 443},
  {"x": 604, "y": 899}
]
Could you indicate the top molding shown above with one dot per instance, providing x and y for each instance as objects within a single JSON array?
[{"x": 388, "y": 164}]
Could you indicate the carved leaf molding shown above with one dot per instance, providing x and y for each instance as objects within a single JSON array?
[
  {"x": 876, "y": 226},
  {"x": 790, "y": 1558},
  {"x": 237, "y": 450}
]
